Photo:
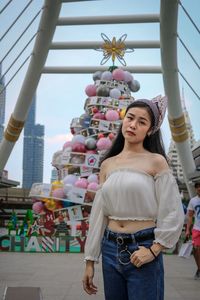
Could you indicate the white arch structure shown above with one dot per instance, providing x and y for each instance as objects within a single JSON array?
[
  {"x": 168, "y": 39},
  {"x": 43, "y": 43},
  {"x": 43, "y": 40}
]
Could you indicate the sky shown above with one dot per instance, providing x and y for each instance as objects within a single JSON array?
[{"x": 61, "y": 97}]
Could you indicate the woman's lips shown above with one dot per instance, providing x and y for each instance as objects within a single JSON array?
[{"x": 130, "y": 132}]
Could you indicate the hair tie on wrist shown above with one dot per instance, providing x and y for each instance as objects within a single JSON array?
[{"x": 152, "y": 253}]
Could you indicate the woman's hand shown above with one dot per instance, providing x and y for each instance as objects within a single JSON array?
[
  {"x": 141, "y": 256},
  {"x": 88, "y": 284}
]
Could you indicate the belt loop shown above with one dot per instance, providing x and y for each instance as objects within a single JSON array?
[
  {"x": 107, "y": 233},
  {"x": 133, "y": 238}
]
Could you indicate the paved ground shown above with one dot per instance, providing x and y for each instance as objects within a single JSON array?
[{"x": 59, "y": 276}]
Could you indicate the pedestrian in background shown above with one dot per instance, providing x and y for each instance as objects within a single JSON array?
[
  {"x": 194, "y": 227},
  {"x": 137, "y": 212}
]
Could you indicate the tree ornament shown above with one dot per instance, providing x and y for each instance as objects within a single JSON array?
[{"x": 114, "y": 49}]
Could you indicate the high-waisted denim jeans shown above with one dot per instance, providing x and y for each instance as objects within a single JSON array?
[{"x": 124, "y": 281}]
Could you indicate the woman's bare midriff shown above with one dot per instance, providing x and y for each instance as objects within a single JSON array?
[{"x": 129, "y": 226}]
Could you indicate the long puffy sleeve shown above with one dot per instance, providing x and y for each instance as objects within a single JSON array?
[
  {"x": 170, "y": 210},
  {"x": 97, "y": 225}
]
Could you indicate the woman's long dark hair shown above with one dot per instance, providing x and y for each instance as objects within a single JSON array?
[{"x": 153, "y": 143}]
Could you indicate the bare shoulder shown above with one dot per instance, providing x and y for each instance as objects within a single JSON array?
[
  {"x": 107, "y": 164},
  {"x": 105, "y": 168},
  {"x": 159, "y": 163}
]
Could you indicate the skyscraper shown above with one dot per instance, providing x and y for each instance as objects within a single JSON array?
[
  {"x": 33, "y": 149},
  {"x": 54, "y": 174},
  {"x": 2, "y": 104},
  {"x": 172, "y": 154}
]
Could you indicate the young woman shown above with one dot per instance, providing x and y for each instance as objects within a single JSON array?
[{"x": 137, "y": 212}]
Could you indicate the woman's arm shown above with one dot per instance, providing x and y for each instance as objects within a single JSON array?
[
  {"x": 88, "y": 276},
  {"x": 96, "y": 228}
]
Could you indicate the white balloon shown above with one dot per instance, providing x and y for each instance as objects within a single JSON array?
[
  {"x": 128, "y": 77},
  {"x": 107, "y": 75},
  {"x": 92, "y": 178},
  {"x": 78, "y": 139},
  {"x": 70, "y": 179},
  {"x": 115, "y": 93},
  {"x": 67, "y": 188}
]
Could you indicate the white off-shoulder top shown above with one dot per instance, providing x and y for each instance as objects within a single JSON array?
[{"x": 129, "y": 194}]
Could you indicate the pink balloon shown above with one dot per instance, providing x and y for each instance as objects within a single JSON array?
[
  {"x": 91, "y": 151},
  {"x": 58, "y": 193},
  {"x": 67, "y": 145},
  {"x": 90, "y": 90},
  {"x": 81, "y": 183},
  {"x": 99, "y": 116},
  {"x": 118, "y": 74},
  {"x": 37, "y": 207},
  {"x": 112, "y": 115},
  {"x": 104, "y": 144},
  {"x": 111, "y": 136},
  {"x": 78, "y": 147},
  {"x": 93, "y": 186}
]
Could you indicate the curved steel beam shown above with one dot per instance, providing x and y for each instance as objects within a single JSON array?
[
  {"x": 43, "y": 40},
  {"x": 168, "y": 40}
]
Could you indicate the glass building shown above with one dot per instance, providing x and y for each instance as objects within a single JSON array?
[{"x": 33, "y": 150}]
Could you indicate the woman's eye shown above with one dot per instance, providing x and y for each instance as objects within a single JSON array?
[{"x": 142, "y": 122}]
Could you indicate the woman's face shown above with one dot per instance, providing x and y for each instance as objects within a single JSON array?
[{"x": 136, "y": 124}]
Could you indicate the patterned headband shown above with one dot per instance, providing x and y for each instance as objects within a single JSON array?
[{"x": 158, "y": 106}]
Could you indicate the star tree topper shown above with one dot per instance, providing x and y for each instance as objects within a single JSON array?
[{"x": 114, "y": 49}]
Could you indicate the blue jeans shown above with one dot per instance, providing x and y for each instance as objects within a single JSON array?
[{"x": 124, "y": 281}]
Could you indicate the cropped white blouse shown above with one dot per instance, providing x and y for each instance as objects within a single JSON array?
[{"x": 129, "y": 194}]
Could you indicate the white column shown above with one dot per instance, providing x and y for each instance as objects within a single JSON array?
[{"x": 168, "y": 40}]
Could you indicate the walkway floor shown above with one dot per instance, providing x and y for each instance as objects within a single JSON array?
[{"x": 59, "y": 276}]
